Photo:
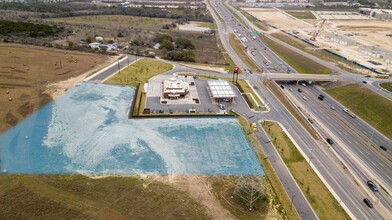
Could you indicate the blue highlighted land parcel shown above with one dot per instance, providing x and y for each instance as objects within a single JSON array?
[{"x": 87, "y": 130}]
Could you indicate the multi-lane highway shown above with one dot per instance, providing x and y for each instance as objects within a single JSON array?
[
  {"x": 327, "y": 165},
  {"x": 324, "y": 161},
  {"x": 357, "y": 143}
]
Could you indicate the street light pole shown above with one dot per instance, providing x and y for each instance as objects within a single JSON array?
[
  {"x": 292, "y": 199},
  {"x": 373, "y": 132},
  {"x": 118, "y": 65},
  {"x": 310, "y": 158}
]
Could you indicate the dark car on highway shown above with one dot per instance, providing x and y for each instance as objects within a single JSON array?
[
  {"x": 281, "y": 86},
  {"x": 372, "y": 185},
  {"x": 382, "y": 147},
  {"x": 321, "y": 97},
  {"x": 368, "y": 203},
  {"x": 299, "y": 90},
  {"x": 364, "y": 82},
  {"x": 329, "y": 140},
  {"x": 310, "y": 120}
]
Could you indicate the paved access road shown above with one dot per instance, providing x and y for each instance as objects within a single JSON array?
[{"x": 109, "y": 71}]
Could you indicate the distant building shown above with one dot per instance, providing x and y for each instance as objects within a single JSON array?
[
  {"x": 221, "y": 91},
  {"x": 377, "y": 52},
  {"x": 343, "y": 40},
  {"x": 107, "y": 47},
  {"x": 380, "y": 14},
  {"x": 98, "y": 38},
  {"x": 174, "y": 88},
  {"x": 336, "y": 3},
  {"x": 95, "y": 45},
  {"x": 156, "y": 46}
]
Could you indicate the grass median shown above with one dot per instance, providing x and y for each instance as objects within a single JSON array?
[
  {"x": 298, "y": 61},
  {"x": 320, "y": 53},
  {"x": 292, "y": 109},
  {"x": 235, "y": 14},
  {"x": 261, "y": 25},
  {"x": 387, "y": 86},
  {"x": 318, "y": 195},
  {"x": 221, "y": 20},
  {"x": 259, "y": 106},
  {"x": 240, "y": 51},
  {"x": 370, "y": 106},
  {"x": 279, "y": 196}
]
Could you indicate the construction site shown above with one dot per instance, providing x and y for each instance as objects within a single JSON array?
[{"x": 353, "y": 36}]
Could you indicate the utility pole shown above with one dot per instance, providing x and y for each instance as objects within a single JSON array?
[
  {"x": 373, "y": 132},
  {"x": 310, "y": 158},
  {"x": 118, "y": 65}
]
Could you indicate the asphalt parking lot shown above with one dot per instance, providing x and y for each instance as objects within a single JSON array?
[{"x": 153, "y": 103}]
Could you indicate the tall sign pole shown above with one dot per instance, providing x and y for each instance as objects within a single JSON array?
[{"x": 236, "y": 69}]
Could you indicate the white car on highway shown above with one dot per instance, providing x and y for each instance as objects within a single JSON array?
[{"x": 304, "y": 98}]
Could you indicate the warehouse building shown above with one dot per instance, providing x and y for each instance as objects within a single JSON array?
[
  {"x": 377, "y": 52},
  {"x": 340, "y": 39}
]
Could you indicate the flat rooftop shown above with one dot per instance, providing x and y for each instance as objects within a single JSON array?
[{"x": 221, "y": 89}]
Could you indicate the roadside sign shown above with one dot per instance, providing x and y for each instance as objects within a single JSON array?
[{"x": 236, "y": 69}]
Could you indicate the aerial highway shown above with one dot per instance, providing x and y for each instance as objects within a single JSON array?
[
  {"x": 338, "y": 180},
  {"x": 324, "y": 161},
  {"x": 355, "y": 139}
]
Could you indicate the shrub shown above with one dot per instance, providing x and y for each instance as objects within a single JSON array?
[
  {"x": 183, "y": 43},
  {"x": 187, "y": 56},
  {"x": 168, "y": 45},
  {"x": 160, "y": 38}
]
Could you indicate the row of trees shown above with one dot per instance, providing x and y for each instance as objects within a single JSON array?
[
  {"x": 35, "y": 30},
  {"x": 166, "y": 42},
  {"x": 69, "y": 10},
  {"x": 186, "y": 56}
]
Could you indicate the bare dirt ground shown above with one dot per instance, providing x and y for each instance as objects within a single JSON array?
[
  {"x": 31, "y": 77},
  {"x": 200, "y": 189},
  {"x": 278, "y": 18},
  {"x": 369, "y": 32},
  {"x": 372, "y": 32}
]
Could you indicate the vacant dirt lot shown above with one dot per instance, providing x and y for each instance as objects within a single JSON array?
[
  {"x": 31, "y": 77},
  {"x": 365, "y": 31},
  {"x": 278, "y": 18},
  {"x": 371, "y": 32}
]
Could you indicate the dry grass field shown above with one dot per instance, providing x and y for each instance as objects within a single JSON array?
[
  {"x": 29, "y": 75},
  {"x": 126, "y": 197}
]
